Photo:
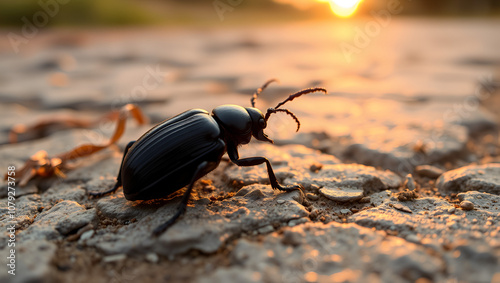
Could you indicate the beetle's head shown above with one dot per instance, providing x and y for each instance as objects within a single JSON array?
[{"x": 259, "y": 123}]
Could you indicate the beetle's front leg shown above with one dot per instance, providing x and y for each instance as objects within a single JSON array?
[{"x": 232, "y": 151}]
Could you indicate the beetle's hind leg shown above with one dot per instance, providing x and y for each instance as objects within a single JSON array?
[
  {"x": 118, "y": 183},
  {"x": 200, "y": 170}
]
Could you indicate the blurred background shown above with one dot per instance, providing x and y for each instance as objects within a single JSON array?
[
  {"x": 174, "y": 12},
  {"x": 92, "y": 56}
]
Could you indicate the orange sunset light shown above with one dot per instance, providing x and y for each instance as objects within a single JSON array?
[{"x": 343, "y": 8}]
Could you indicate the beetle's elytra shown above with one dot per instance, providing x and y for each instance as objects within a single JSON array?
[{"x": 178, "y": 151}]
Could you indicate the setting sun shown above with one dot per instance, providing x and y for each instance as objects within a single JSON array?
[{"x": 343, "y": 8}]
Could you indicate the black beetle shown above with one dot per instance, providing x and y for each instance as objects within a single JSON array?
[{"x": 182, "y": 149}]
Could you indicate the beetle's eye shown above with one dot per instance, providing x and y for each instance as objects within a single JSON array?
[{"x": 262, "y": 123}]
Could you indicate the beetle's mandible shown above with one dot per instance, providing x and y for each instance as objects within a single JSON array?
[{"x": 179, "y": 151}]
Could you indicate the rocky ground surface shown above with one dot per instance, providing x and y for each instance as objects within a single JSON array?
[{"x": 400, "y": 163}]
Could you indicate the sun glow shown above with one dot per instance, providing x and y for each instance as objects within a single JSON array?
[{"x": 343, "y": 8}]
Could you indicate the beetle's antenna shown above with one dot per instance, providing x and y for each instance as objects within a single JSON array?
[
  {"x": 260, "y": 89},
  {"x": 290, "y": 98},
  {"x": 274, "y": 110},
  {"x": 300, "y": 93}
]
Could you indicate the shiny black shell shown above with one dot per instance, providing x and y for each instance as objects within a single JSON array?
[{"x": 163, "y": 160}]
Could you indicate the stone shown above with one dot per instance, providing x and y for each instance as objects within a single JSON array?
[
  {"x": 152, "y": 257},
  {"x": 312, "y": 196},
  {"x": 482, "y": 178},
  {"x": 409, "y": 183},
  {"x": 266, "y": 229},
  {"x": 353, "y": 178},
  {"x": 113, "y": 258},
  {"x": 466, "y": 205},
  {"x": 345, "y": 211},
  {"x": 87, "y": 235},
  {"x": 76, "y": 220},
  {"x": 412, "y": 238},
  {"x": 401, "y": 207},
  {"x": 341, "y": 195},
  {"x": 44, "y": 226},
  {"x": 295, "y": 222},
  {"x": 429, "y": 171}
]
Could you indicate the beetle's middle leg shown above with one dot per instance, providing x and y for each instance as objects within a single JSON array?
[
  {"x": 232, "y": 151},
  {"x": 118, "y": 183},
  {"x": 200, "y": 171}
]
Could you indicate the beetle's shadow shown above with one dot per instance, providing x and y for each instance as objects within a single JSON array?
[{"x": 174, "y": 198}]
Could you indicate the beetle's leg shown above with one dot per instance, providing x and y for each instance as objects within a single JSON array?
[
  {"x": 200, "y": 170},
  {"x": 232, "y": 151},
  {"x": 118, "y": 183}
]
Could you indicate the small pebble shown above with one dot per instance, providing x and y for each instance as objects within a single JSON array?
[
  {"x": 342, "y": 195},
  {"x": 280, "y": 201},
  {"x": 345, "y": 211},
  {"x": 266, "y": 229},
  {"x": 365, "y": 200},
  {"x": 73, "y": 237},
  {"x": 466, "y": 205},
  {"x": 413, "y": 238},
  {"x": 87, "y": 235},
  {"x": 112, "y": 258},
  {"x": 152, "y": 257},
  {"x": 316, "y": 167},
  {"x": 401, "y": 207},
  {"x": 428, "y": 171},
  {"x": 314, "y": 187},
  {"x": 312, "y": 196},
  {"x": 410, "y": 183},
  {"x": 295, "y": 222}
]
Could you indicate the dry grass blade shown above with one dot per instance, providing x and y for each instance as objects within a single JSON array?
[{"x": 41, "y": 165}]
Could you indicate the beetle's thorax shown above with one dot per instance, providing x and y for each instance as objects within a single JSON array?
[
  {"x": 235, "y": 122},
  {"x": 239, "y": 124}
]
